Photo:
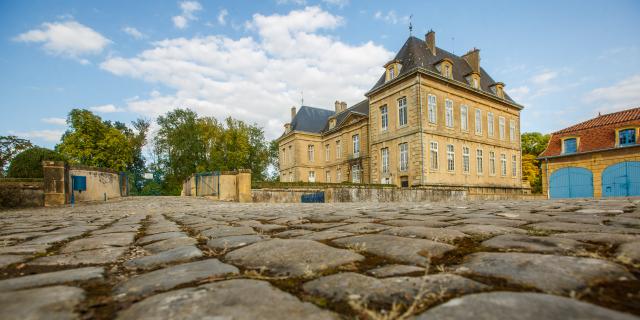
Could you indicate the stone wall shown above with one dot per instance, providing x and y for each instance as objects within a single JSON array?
[
  {"x": 102, "y": 184},
  {"x": 21, "y": 193},
  {"x": 232, "y": 186}
]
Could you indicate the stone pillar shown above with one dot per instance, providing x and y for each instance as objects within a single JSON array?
[
  {"x": 56, "y": 184},
  {"x": 244, "y": 185}
]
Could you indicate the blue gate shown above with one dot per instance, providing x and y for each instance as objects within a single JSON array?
[
  {"x": 317, "y": 197},
  {"x": 571, "y": 182},
  {"x": 621, "y": 180}
]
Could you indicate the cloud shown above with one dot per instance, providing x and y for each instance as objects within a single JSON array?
[
  {"x": 47, "y": 135},
  {"x": 519, "y": 93},
  {"x": 68, "y": 39},
  {"x": 296, "y": 2},
  {"x": 621, "y": 95},
  {"x": 189, "y": 8},
  {"x": 222, "y": 16},
  {"x": 337, "y": 3},
  {"x": 107, "y": 108},
  {"x": 133, "y": 32},
  {"x": 391, "y": 17},
  {"x": 256, "y": 78},
  {"x": 56, "y": 121},
  {"x": 544, "y": 77}
]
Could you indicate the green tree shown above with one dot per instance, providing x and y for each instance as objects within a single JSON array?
[
  {"x": 534, "y": 142},
  {"x": 28, "y": 163},
  {"x": 10, "y": 146},
  {"x": 274, "y": 161}
]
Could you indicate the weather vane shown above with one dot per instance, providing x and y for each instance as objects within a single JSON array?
[{"x": 410, "y": 26}]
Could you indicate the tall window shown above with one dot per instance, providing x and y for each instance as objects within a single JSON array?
[
  {"x": 402, "y": 111},
  {"x": 512, "y": 130},
  {"x": 384, "y": 118},
  {"x": 338, "y": 175},
  {"x": 327, "y": 176},
  {"x": 570, "y": 145},
  {"x": 490, "y": 124},
  {"x": 392, "y": 73},
  {"x": 355, "y": 173},
  {"x": 451, "y": 158},
  {"x": 492, "y": 163},
  {"x": 404, "y": 156},
  {"x": 447, "y": 71},
  {"x": 501, "y": 127},
  {"x": 385, "y": 159},
  {"x": 627, "y": 137},
  {"x": 312, "y": 176},
  {"x": 338, "y": 149},
  {"x": 290, "y": 157},
  {"x": 356, "y": 145},
  {"x": 479, "y": 161},
  {"x": 433, "y": 117},
  {"x": 448, "y": 107},
  {"x": 284, "y": 156},
  {"x": 464, "y": 118},
  {"x": 465, "y": 159},
  {"x": 310, "y": 150},
  {"x": 478, "y": 122},
  {"x": 434, "y": 155},
  {"x": 327, "y": 153},
  {"x": 514, "y": 166},
  {"x": 503, "y": 164}
]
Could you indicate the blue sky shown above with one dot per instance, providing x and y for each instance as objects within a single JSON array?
[{"x": 565, "y": 61}]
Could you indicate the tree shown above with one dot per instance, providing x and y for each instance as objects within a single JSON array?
[
  {"x": 534, "y": 142},
  {"x": 274, "y": 160},
  {"x": 28, "y": 163},
  {"x": 10, "y": 146}
]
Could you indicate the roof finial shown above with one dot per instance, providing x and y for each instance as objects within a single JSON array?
[
  {"x": 301, "y": 97},
  {"x": 410, "y": 25}
]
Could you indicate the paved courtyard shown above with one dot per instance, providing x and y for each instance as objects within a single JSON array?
[{"x": 184, "y": 258}]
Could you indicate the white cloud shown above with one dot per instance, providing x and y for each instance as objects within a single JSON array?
[
  {"x": 391, "y": 17},
  {"x": 56, "y": 121},
  {"x": 519, "y": 93},
  {"x": 189, "y": 8},
  {"x": 107, "y": 108},
  {"x": 544, "y": 77},
  {"x": 69, "y": 39},
  {"x": 133, "y": 32},
  {"x": 256, "y": 79},
  {"x": 222, "y": 15},
  {"x": 47, "y": 135},
  {"x": 621, "y": 95}
]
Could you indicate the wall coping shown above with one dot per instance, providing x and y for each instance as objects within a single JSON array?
[{"x": 88, "y": 168}]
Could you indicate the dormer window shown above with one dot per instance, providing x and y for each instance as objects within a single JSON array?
[
  {"x": 332, "y": 123},
  {"x": 445, "y": 67},
  {"x": 627, "y": 137},
  {"x": 498, "y": 89},
  {"x": 569, "y": 145},
  {"x": 447, "y": 71},
  {"x": 392, "y": 73},
  {"x": 392, "y": 70}
]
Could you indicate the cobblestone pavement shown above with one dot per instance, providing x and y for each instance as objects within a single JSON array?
[{"x": 184, "y": 258}]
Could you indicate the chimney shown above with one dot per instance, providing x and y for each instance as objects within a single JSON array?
[
  {"x": 430, "y": 39},
  {"x": 293, "y": 112},
  {"x": 473, "y": 59},
  {"x": 338, "y": 106},
  {"x": 343, "y": 106}
]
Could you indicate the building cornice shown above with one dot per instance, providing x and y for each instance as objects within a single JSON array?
[{"x": 587, "y": 152}]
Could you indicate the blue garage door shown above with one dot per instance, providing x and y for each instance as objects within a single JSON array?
[
  {"x": 571, "y": 182},
  {"x": 621, "y": 180}
]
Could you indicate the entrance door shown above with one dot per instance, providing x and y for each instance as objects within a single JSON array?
[
  {"x": 571, "y": 182},
  {"x": 621, "y": 180}
]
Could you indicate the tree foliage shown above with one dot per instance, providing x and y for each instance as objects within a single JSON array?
[
  {"x": 10, "y": 146},
  {"x": 533, "y": 144},
  {"x": 28, "y": 163}
]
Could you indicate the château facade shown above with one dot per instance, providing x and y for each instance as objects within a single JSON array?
[{"x": 433, "y": 118}]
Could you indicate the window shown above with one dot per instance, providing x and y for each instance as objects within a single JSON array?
[
  {"x": 512, "y": 130},
  {"x": 569, "y": 145},
  {"x": 355, "y": 173},
  {"x": 327, "y": 176},
  {"x": 451, "y": 162},
  {"x": 290, "y": 155},
  {"x": 404, "y": 156},
  {"x": 402, "y": 111},
  {"x": 479, "y": 161},
  {"x": 465, "y": 159},
  {"x": 310, "y": 151},
  {"x": 432, "y": 106},
  {"x": 392, "y": 73},
  {"x": 434, "y": 155},
  {"x": 338, "y": 175},
  {"x": 356, "y": 146},
  {"x": 492, "y": 163},
  {"x": 448, "y": 107},
  {"x": 338, "y": 149},
  {"x": 384, "y": 118},
  {"x": 627, "y": 137},
  {"x": 490, "y": 124},
  {"x": 312, "y": 176},
  {"x": 384, "y": 152},
  {"x": 475, "y": 83},
  {"x": 514, "y": 166},
  {"x": 464, "y": 118},
  {"x": 327, "y": 152},
  {"x": 478, "y": 122},
  {"x": 291, "y": 177},
  {"x": 501, "y": 127},
  {"x": 284, "y": 156},
  {"x": 503, "y": 164},
  {"x": 447, "y": 71}
]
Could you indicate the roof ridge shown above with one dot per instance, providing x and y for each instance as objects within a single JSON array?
[{"x": 577, "y": 126}]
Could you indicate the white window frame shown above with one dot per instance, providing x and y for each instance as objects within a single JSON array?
[
  {"x": 356, "y": 145},
  {"x": 433, "y": 155},
  {"x": 384, "y": 117},
  {"x": 464, "y": 118},
  {"x": 501, "y": 127},
  {"x": 392, "y": 73},
  {"x": 327, "y": 176},
  {"x": 490, "y": 124},
  {"x": 432, "y": 108},
  {"x": 355, "y": 173},
  {"x": 384, "y": 155},
  {"x": 312, "y": 176},
  {"x": 338, "y": 149},
  {"x": 492, "y": 163},
  {"x": 503, "y": 164},
  {"x": 403, "y": 112},
  {"x": 448, "y": 107},
  {"x": 404, "y": 156},
  {"x": 466, "y": 166},
  {"x": 478, "y": 122},
  {"x": 512, "y": 130},
  {"x": 311, "y": 152},
  {"x": 451, "y": 158},
  {"x": 514, "y": 165},
  {"x": 479, "y": 161}
]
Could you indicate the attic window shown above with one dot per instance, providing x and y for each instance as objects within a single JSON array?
[
  {"x": 475, "y": 83},
  {"x": 392, "y": 73},
  {"x": 447, "y": 71},
  {"x": 332, "y": 123}
]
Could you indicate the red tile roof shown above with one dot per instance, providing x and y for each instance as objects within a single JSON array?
[{"x": 598, "y": 133}]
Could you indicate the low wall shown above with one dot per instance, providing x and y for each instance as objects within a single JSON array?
[
  {"x": 232, "y": 186},
  {"x": 102, "y": 184},
  {"x": 21, "y": 193}
]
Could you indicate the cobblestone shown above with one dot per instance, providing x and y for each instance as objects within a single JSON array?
[{"x": 188, "y": 258}]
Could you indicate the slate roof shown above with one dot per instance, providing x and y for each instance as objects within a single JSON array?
[
  {"x": 310, "y": 119},
  {"x": 361, "y": 108},
  {"x": 414, "y": 54},
  {"x": 595, "y": 134}
]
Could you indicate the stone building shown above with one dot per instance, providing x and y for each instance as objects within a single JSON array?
[
  {"x": 433, "y": 118},
  {"x": 596, "y": 158}
]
